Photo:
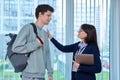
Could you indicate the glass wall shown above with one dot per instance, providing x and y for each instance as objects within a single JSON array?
[{"x": 16, "y": 13}]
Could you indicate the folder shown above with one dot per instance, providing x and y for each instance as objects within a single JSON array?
[{"x": 87, "y": 59}]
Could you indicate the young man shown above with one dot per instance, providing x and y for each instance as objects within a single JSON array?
[{"x": 26, "y": 42}]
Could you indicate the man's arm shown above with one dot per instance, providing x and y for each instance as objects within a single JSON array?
[{"x": 49, "y": 64}]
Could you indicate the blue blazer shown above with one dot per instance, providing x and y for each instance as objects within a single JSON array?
[{"x": 85, "y": 72}]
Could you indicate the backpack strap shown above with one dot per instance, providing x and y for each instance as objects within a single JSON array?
[{"x": 35, "y": 31}]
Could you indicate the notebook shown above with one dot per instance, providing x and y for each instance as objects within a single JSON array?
[{"x": 87, "y": 59}]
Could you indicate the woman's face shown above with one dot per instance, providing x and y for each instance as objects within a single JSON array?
[{"x": 82, "y": 34}]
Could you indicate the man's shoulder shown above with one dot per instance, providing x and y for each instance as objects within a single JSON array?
[{"x": 26, "y": 26}]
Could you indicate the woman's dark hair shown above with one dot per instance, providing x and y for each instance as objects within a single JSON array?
[
  {"x": 91, "y": 34},
  {"x": 43, "y": 8}
]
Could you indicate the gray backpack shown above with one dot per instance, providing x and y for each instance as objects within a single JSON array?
[{"x": 18, "y": 61}]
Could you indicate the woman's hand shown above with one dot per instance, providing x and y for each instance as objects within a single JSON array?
[
  {"x": 76, "y": 65},
  {"x": 49, "y": 34}
]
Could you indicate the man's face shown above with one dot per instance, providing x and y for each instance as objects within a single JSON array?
[{"x": 46, "y": 17}]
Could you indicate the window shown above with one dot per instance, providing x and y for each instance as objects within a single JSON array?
[
  {"x": 15, "y": 15},
  {"x": 27, "y": 10},
  {"x": 10, "y": 9}
]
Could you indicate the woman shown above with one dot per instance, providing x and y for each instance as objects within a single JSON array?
[{"x": 88, "y": 45}]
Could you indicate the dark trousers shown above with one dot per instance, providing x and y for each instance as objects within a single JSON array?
[{"x": 73, "y": 76}]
